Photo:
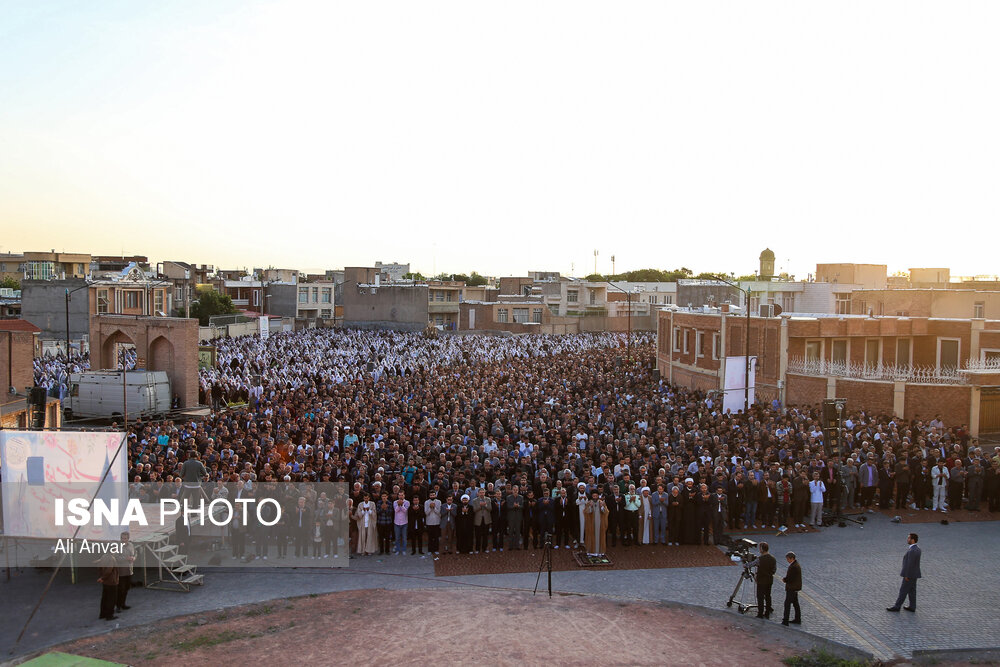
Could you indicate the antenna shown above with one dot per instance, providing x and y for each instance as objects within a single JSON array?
[
  {"x": 595, "y": 261},
  {"x": 613, "y": 265}
]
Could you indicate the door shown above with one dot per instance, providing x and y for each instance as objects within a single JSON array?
[{"x": 989, "y": 410}]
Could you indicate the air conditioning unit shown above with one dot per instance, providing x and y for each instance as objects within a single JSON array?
[{"x": 770, "y": 310}]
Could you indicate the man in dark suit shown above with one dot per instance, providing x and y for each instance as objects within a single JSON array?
[
  {"x": 793, "y": 584},
  {"x": 302, "y": 523},
  {"x": 766, "y": 567},
  {"x": 910, "y": 573}
]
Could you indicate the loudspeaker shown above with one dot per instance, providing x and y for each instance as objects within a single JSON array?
[{"x": 36, "y": 396}]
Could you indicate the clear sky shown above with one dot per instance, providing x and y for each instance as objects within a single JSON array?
[{"x": 504, "y": 136}]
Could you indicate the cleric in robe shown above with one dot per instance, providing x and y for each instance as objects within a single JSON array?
[{"x": 596, "y": 528}]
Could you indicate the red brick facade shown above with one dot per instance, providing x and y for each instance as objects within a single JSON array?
[
  {"x": 162, "y": 344},
  {"x": 689, "y": 346}
]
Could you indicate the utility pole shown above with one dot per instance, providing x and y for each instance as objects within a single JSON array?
[{"x": 613, "y": 266}]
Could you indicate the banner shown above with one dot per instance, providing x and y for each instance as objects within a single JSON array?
[
  {"x": 735, "y": 382},
  {"x": 40, "y": 469}
]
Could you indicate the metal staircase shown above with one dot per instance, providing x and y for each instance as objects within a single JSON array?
[{"x": 174, "y": 573}]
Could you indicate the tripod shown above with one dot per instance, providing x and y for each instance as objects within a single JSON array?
[
  {"x": 546, "y": 563},
  {"x": 746, "y": 575}
]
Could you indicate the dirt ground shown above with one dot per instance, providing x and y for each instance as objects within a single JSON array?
[{"x": 456, "y": 627}]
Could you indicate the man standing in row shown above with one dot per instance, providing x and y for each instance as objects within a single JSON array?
[
  {"x": 793, "y": 584},
  {"x": 910, "y": 573},
  {"x": 766, "y": 567}
]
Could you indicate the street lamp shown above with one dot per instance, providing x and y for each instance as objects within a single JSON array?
[
  {"x": 68, "y": 292},
  {"x": 746, "y": 349}
]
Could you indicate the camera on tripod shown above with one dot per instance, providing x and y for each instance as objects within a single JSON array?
[{"x": 740, "y": 551}]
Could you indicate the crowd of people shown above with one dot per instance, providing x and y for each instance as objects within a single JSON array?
[
  {"x": 473, "y": 444},
  {"x": 52, "y": 371}
]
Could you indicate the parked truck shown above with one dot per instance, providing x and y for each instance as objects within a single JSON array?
[{"x": 96, "y": 394}]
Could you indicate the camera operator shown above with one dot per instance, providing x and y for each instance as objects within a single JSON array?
[{"x": 766, "y": 567}]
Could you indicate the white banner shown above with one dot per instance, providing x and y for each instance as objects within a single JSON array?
[
  {"x": 735, "y": 382},
  {"x": 40, "y": 468},
  {"x": 265, "y": 326}
]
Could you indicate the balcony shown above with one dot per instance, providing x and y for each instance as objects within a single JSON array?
[
  {"x": 441, "y": 307},
  {"x": 241, "y": 302}
]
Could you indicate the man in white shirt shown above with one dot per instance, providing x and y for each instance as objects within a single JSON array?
[
  {"x": 939, "y": 480},
  {"x": 816, "y": 491}
]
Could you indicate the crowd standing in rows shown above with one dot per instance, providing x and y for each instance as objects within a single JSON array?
[{"x": 474, "y": 444}]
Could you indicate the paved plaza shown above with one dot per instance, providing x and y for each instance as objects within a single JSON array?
[{"x": 850, "y": 575}]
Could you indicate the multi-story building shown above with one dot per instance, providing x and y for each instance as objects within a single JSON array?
[
  {"x": 54, "y": 265},
  {"x": 868, "y": 276},
  {"x": 185, "y": 278},
  {"x": 116, "y": 264},
  {"x": 909, "y": 367},
  {"x": 371, "y": 302},
  {"x": 955, "y": 303},
  {"x": 393, "y": 271},
  {"x": 12, "y": 266},
  {"x": 574, "y": 297},
  {"x": 315, "y": 300},
  {"x": 130, "y": 292},
  {"x": 443, "y": 297}
]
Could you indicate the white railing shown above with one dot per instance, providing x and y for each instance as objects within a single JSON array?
[
  {"x": 992, "y": 364},
  {"x": 883, "y": 372}
]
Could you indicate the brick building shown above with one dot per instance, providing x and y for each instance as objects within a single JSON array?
[
  {"x": 943, "y": 302},
  {"x": 894, "y": 365},
  {"x": 167, "y": 344}
]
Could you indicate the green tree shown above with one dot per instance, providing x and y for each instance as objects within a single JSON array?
[
  {"x": 594, "y": 277},
  {"x": 476, "y": 280},
  {"x": 413, "y": 275},
  {"x": 10, "y": 283},
  {"x": 210, "y": 303}
]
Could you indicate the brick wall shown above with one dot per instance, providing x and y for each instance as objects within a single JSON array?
[
  {"x": 868, "y": 395},
  {"x": 167, "y": 344},
  {"x": 17, "y": 349},
  {"x": 804, "y": 390},
  {"x": 923, "y": 401}
]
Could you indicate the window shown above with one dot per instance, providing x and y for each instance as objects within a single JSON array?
[
  {"x": 979, "y": 310},
  {"x": 716, "y": 345},
  {"x": 326, "y": 295},
  {"x": 677, "y": 339},
  {"x": 593, "y": 297},
  {"x": 131, "y": 299},
  {"x": 178, "y": 294},
  {"x": 839, "y": 352},
  {"x": 521, "y": 315},
  {"x": 572, "y": 296},
  {"x": 788, "y": 303},
  {"x": 438, "y": 295},
  {"x": 315, "y": 294},
  {"x": 873, "y": 349},
  {"x": 843, "y": 302},
  {"x": 687, "y": 340},
  {"x": 814, "y": 350},
  {"x": 536, "y": 315},
  {"x": 303, "y": 295},
  {"x": 948, "y": 353},
  {"x": 158, "y": 301},
  {"x": 325, "y": 313},
  {"x": 102, "y": 301},
  {"x": 501, "y": 314},
  {"x": 255, "y": 295},
  {"x": 699, "y": 344},
  {"x": 439, "y": 319},
  {"x": 902, "y": 351}
]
